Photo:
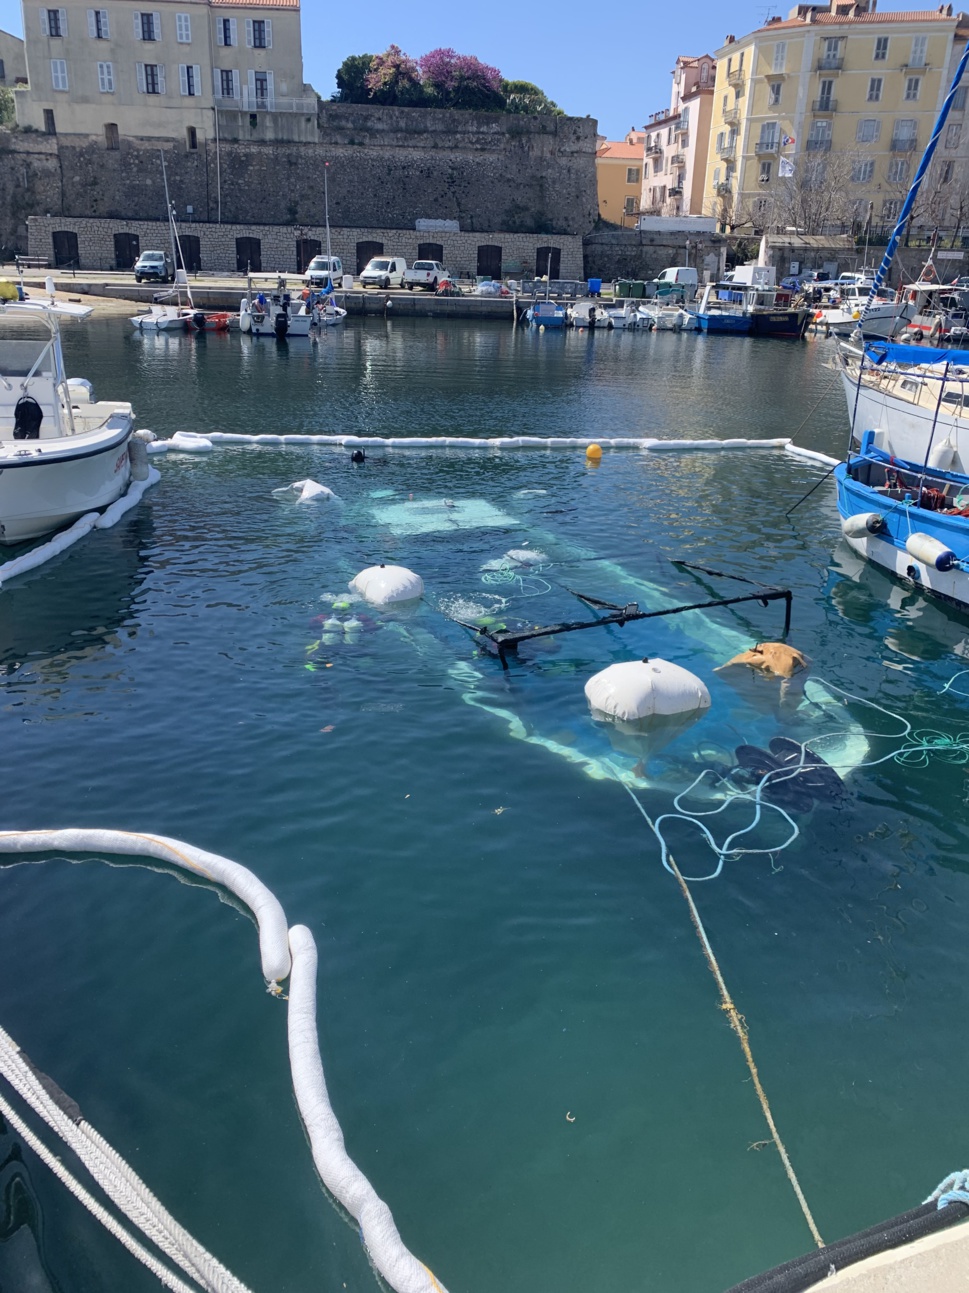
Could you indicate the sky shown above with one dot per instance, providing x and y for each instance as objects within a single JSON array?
[{"x": 613, "y": 65}]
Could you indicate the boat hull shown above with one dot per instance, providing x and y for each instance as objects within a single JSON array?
[
  {"x": 738, "y": 324},
  {"x": 40, "y": 495},
  {"x": 888, "y": 549},
  {"x": 882, "y": 322},
  {"x": 905, "y": 428},
  {"x": 779, "y": 323}
]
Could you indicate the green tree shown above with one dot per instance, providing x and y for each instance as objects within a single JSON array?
[
  {"x": 7, "y": 110},
  {"x": 394, "y": 79},
  {"x": 523, "y": 96},
  {"x": 351, "y": 79}
]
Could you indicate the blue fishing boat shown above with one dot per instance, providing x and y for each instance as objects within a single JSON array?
[
  {"x": 547, "y": 314},
  {"x": 904, "y": 496}
]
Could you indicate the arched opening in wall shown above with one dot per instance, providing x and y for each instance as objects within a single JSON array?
[
  {"x": 127, "y": 249},
  {"x": 548, "y": 260},
  {"x": 249, "y": 255},
  {"x": 191, "y": 252},
  {"x": 65, "y": 248},
  {"x": 430, "y": 251},
  {"x": 489, "y": 261},
  {"x": 112, "y": 140},
  {"x": 366, "y": 252},
  {"x": 306, "y": 249}
]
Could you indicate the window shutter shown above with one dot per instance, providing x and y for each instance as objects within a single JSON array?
[
  {"x": 140, "y": 69},
  {"x": 252, "y": 87},
  {"x": 236, "y": 84},
  {"x": 63, "y": 14},
  {"x": 156, "y": 25},
  {"x": 269, "y": 33},
  {"x": 233, "y": 32},
  {"x": 92, "y": 27},
  {"x": 270, "y": 92},
  {"x": 249, "y": 33},
  {"x": 216, "y": 83},
  {"x": 161, "y": 78},
  {"x": 183, "y": 28},
  {"x": 219, "y": 31},
  {"x": 105, "y": 25},
  {"x": 44, "y": 24},
  {"x": 137, "y": 19},
  {"x": 183, "y": 78},
  {"x": 197, "y": 77}
]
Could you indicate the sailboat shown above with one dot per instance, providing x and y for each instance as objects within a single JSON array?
[
  {"x": 182, "y": 314},
  {"x": 326, "y": 313},
  {"x": 903, "y": 489}
]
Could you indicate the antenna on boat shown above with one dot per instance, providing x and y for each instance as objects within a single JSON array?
[{"x": 903, "y": 218}]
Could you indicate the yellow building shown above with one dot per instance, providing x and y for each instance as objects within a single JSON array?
[
  {"x": 820, "y": 119},
  {"x": 619, "y": 178},
  {"x": 13, "y": 61},
  {"x": 159, "y": 73}
]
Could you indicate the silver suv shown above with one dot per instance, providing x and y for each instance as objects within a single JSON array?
[{"x": 157, "y": 266}]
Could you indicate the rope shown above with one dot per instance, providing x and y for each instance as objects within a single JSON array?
[
  {"x": 110, "y": 1223},
  {"x": 954, "y": 1189},
  {"x": 121, "y": 1184},
  {"x": 737, "y": 1023}
]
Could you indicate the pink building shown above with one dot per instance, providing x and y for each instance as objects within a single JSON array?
[{"x": 675, "y": 150}]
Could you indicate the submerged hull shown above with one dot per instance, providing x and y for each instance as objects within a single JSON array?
[
  {"x": 779, "y": 323},
  {"x": 738, "y": 324},
  {"x": 61, "y": 481}
]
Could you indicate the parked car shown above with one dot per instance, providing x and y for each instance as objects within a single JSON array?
[
  {"x": 155, "y": 265},
  {"x": 384, "y": 271},
  {"x": 323, "y": 270},
  {"x": 425, "y": 273}
]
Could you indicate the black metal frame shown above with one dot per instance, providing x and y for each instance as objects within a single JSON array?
[{"x": 504, "y": 640}]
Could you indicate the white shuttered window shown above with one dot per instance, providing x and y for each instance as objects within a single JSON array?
[
  {"x": 98, "y": 27},
  {"x": 106, "y": 78},
  {"x": 58, "y": 73},
  {"x": 183, "y": 28},
  {"x": 190, "y": 79}
]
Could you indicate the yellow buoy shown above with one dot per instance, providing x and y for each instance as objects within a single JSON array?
[
  {"x": 8, "y": 290},
  {"x": 594, "y": 452}
]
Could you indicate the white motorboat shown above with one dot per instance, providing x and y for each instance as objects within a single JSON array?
[
  {"x": 61, "y": 452},
  {"x": 164, "y": 318},
  {"x": 667, "y": 318},
  {"x": 275, "y": 314},
  {"x": 885, "y": 317},
  {"x": 588, "y": 314},
  {"x": 624, "y": 317}
]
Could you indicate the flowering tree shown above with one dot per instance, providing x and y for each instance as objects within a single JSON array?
[
  {"x": 394, "y": 78},
  {"x": 461, "y": 80}
]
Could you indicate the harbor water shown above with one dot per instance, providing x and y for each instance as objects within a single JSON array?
[{"x": 521, "y": 1036}]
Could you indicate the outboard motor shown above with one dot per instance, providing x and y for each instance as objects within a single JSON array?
[
  {"x": 281, "y": 323},
  {"x": 198, "y": 318}
]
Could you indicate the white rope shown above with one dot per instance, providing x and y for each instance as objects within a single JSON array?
[
  {"x": 125, "y": 1189},
  {"x": 110, "y": 1223}
]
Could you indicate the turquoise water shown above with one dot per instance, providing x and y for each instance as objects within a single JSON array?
[{"x": 499, "y": 944}]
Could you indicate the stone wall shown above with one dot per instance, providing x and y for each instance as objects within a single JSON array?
[
  {"x": 277, "y": 244},
  {"x": 635, "y": 254},
  {"x": 388, "y": 167}
]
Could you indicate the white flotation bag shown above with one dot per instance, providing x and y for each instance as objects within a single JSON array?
[
  {"x": 382, "y": 585},
  {"x": 638, "y": 689},
  {"x": 862, "y": 525},
  {"x": 311, "y": 491},
  {"x": 190, "y": 442},
  {"x": 930, "y": 551}
]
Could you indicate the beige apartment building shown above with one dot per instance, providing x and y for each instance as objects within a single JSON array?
[
  {"x": 819, "y": 119},
  {"x": 677, "y": 142},
  {"x": 13, "y": 60},
  {"x": 119, "y": 70},
  {"x": 619, "y": 177}
]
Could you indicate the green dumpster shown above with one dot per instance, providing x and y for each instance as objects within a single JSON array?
[
  {"x": 621, "y": 288},
  {"x": 637, "y": 289}
]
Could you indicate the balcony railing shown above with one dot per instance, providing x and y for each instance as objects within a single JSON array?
[
  {"x": 682, "y": 127},
  {"x": 904, "y": 145},
  {"x": 736, "y": 77},
  {"x": 731, "y": 116},
  {"x": 828, "y": 63},
  {"x": 824, "y": 105},
  {"x": 728, "y": 150},
  {"x": 819, "y": 145},
  {"x": 724, "y": 190},
  {"x": 767, "y": 145},
  {"x": 654, "y": 150},
  {"x": 249, "y": 102},
  {"x": 676, "y": 191},
  {"x": 677, "y": 159}
]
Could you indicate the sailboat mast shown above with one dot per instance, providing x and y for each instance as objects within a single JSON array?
[
  {"x": 326, "y": 214},
  {"x": 173, "y": 232}
]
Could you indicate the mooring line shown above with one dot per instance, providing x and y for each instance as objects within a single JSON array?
[{"x": 738, "y": 1024}]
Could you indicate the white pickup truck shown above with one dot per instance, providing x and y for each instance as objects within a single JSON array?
[{"x": 425, "y": 273}]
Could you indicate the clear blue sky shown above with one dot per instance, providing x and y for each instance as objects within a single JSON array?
[{"x": 611, "y": 63}]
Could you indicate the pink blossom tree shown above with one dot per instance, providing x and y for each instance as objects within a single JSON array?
[
  {"x": 394, "y": 78},
  {"x": 455, "y": 80}
]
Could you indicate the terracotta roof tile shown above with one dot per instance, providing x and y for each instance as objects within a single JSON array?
[
  {"x": 840, "y": 20},
  {"x": 258, "y": 4},
  {"x": 620, "y": 151}
]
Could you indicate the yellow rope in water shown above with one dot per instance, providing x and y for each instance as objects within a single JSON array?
[{"x": 739, "y": 1025}]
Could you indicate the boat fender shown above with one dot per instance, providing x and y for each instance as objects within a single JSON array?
[
  {"x": 930, "y": 551},
  {"x": 637, "y": 689},
  {"x": 862, "y": 524},
  {"x": 384, "y": 585},
  {"x": 138, "y": 457},
  {"x": 942, "y": 455}
]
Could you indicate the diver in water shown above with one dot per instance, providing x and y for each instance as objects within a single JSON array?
[{"x": 358, "y": 456}]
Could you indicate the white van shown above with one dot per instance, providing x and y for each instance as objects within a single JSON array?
[
  {"x": 682, "y": 275},
  {"x": 323, "y": 270},
  {"x": 384, "y": 271}
]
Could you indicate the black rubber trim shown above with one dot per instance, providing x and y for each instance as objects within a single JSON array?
[
  {"x": 805, "y": 1272},
  {"x": 49, "y": 459}
]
